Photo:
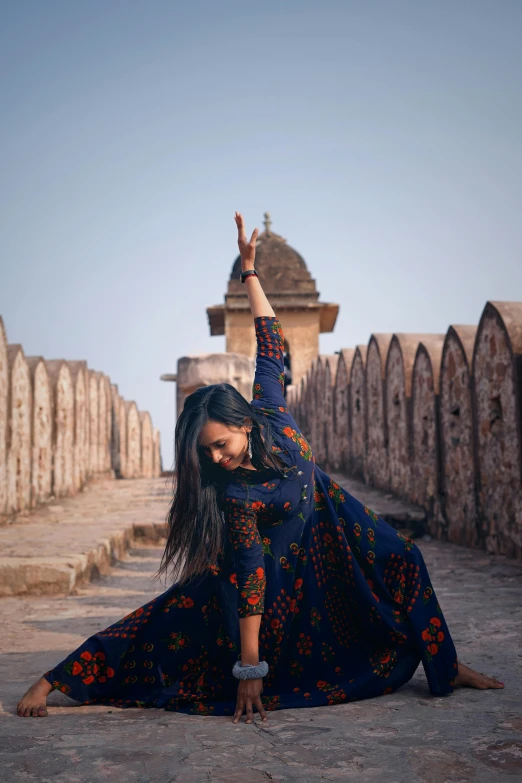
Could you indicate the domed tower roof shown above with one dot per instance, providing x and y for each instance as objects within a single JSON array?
[
  {"x": 280, "y": 268},
  {"x": 285, "y": 279}
]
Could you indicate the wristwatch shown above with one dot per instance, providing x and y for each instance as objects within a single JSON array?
[{"x": 243, "y": 276}]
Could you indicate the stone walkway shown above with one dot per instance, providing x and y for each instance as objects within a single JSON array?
[
  {"x": 69, "y": 541},
  {"x": 407, "y": 737}
]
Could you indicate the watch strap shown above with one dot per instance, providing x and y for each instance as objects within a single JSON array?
[{"x": 247, "y": 273}]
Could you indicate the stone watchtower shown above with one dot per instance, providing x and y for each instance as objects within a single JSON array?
[{"x": 292, "y": 293}]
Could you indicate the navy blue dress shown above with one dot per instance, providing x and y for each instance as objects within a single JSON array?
[{"x": 348, "y": 610}]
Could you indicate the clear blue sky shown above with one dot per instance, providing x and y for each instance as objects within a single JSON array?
[{"x": 384, "y": 137}]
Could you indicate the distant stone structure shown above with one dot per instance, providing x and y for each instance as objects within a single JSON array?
[
  {"x": 435, "y": 419},
  {"x": 292, "y": 293},
  {"x": 206, "y": 369},
  {"x": 59, "y": 423}
]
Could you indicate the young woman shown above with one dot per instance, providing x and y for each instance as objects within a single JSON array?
[{"x": 284, "y": 582}]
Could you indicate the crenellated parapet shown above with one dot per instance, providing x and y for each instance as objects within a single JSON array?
[
  {"x": 78, "y": 372},
  {"x": 377, "y": 468},
  {"x": 497, "y": 389},
  {"x": 425, "y": 440},
  {"x": 62, "y": 424},
  {"x": 331, "y": 362},
  {"x": 433, "y": 418},
  {"x": 457, "y": 437},
  {"x": 42, "y": 431},
  {"x": 18, "y": 441},
  {"x": 357, "y": 417},
  {"x": 62, "y": 396}
]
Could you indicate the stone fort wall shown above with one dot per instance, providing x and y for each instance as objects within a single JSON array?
[
  {"x": 62, "y": 424},
  {"x": 433, "y": 418}
]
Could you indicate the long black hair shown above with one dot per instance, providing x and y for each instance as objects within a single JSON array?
[{"x": 195, "y": 518}]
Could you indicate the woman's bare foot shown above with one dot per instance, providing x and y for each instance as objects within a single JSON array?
[
  {"x": 34, "y": 702},
  {"x": 469, "y": 678}
]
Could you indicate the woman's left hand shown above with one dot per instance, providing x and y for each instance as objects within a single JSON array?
[{"x": 249, "y": 696}]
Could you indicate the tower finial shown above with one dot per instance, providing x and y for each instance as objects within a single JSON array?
[{"x": 267, "y": 222}]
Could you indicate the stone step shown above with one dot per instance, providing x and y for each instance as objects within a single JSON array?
[
  {"x": 402, "y": 515},
  {"x": 62, "y": 545}
]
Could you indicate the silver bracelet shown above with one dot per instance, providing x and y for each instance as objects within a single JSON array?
[{"x": 250, "y": 672}]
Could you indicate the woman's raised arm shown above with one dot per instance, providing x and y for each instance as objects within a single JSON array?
[{"x": 259, "y": 304}]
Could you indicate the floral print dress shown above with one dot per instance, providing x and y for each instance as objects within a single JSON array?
[{"x": 348, "y": 610}]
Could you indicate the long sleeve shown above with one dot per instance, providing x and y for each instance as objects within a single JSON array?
[
  {"x": 269, "y": 377},
  {"x": 249, "y": 565},
  {"x": 268, "y": 389}
]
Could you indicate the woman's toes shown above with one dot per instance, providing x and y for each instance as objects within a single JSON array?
[{"x": 488, "y": 682}]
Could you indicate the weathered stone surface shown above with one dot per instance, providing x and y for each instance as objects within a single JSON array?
[
  {"x": 4, "y": 383},
  {"x": 357, "y": 450},
  {"x": 60, "y": 545},
  {"x": 104, "y": 423},
  {"x": 400, "y": 513},
  {"x": 377, "y": 466},
  {"x": 438, "y": 765},
  {"x": 425, "y": 472},
  {"x": 406, "y": 737},
  {"x": 42, "y": 448},
  {"x": 63, "y": 427},
  {"x": 19, "y": 406},
  {"x": 147, "y": 465},
  {"x": 341, "y": 451},
  {"x": 78, "y": 372},
  {"x": 207, "y": 369},
  {"x": 513, "y": 722},
  {"x": 116, "y": 447},
  {"x": 122, "y": 422},
  {"x": 316, "y": 413},
  {"x": 133, "y": 427},
  {"x": 156, "y": 453},
  {"x": 58, "y": 429},
  {"x": 497, "y": 381},
  {"x": 459, "y": 520},
  {"x": 330, "y": 372},
  {"x": 503, "y": 757},
  {"x": 399, "y": 367},
  {"x": 94, "y": 434},
  {"x": 413, "y": 424}
]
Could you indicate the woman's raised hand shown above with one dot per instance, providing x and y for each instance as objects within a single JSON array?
[{"x": 247, "y": 249}]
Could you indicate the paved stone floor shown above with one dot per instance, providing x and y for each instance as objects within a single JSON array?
[{"x": 406, "y": 736}]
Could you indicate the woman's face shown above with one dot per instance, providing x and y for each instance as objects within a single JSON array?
[{"x": 226, "y": 445}]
